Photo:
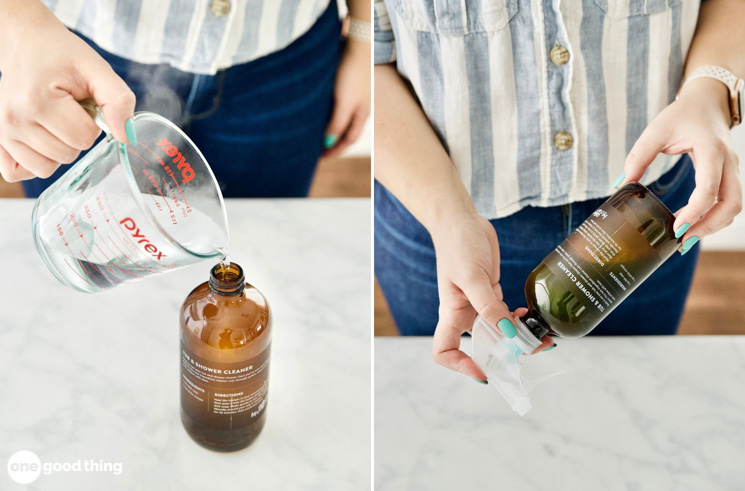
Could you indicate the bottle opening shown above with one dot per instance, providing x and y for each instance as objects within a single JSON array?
[{"x": 227, "y": 279}]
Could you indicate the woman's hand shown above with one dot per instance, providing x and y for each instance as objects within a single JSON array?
[
  {"x": 45, "y": 70},
  {"x": 697, "y": 124},
  {"x": 468, "y": 280},
  {"x": 351, "y": 98}
]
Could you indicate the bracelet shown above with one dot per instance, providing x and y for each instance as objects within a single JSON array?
[{"x": 360, "y": 30}]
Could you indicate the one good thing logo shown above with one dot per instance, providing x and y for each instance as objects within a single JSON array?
[{"x": 25, "y": 467}]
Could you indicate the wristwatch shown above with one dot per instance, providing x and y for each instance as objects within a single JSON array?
[{"x": 734, "y": 84}]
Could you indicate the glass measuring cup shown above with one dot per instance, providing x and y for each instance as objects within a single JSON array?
[{"x": 123, "y": 212}]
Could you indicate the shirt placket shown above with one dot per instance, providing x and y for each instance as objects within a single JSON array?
[{"x": 559, "y": 77}]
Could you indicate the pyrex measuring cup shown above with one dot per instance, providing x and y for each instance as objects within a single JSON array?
[{"x": 125, "y": 212}]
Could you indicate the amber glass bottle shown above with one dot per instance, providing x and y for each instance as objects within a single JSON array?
[
  {"x": 226, "y": 334},
  {"x": 578, "y": 284}
]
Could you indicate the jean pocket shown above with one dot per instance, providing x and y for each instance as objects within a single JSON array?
[
  {"x": 449, "y": 18},
  {"x": 670, "y": 179},
  {"x": 619, "y": 9}
]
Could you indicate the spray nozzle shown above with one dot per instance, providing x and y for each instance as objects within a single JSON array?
[{"x": 499, "y": 358}]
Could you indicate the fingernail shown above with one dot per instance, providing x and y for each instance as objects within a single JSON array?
[
  {"x": 507, "y": 328},
  {"x": 482, "y": 382},
  {"x": 129, "y": 127},
  {"x": 619, "y": 179},
  {"x": 681, "y": 230},
  {"x": 688, "y": 244},
  {"x": 550, "y": 347},
  {"x": 330, "y": 140}
]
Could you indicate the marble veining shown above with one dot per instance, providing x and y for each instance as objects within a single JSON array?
[
  {"x": 630, "y": 413},
  {"x": 96, "y": 376}
]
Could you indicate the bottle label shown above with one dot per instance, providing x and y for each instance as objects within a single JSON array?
[
  {"x": 602, "y": 262},
  {"x": 226, "y": 395}
]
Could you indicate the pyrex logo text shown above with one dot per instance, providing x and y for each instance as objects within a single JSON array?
[
  {"x": 130, "y": 225},
  {"x": 186, "y": 171}
]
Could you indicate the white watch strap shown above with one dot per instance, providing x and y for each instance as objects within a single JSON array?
[
  {"x": 360, "y": 30},
  {"x": 716, "y": 72}
]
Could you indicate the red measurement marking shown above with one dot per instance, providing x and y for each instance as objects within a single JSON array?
[
  {"x": 76, "y": 272},
  {"x": 164, "y": 164},
  {"x": 130, "y": 260},
  {"x": 155, "y": 183},
  {"x": 115, "y": 265},
  {"x": 173, "y": 195},
  {"x": 160, "y": 160},
  {"x": 115, "y": 280},
  {"x": 139, "y": 156},
  {"x": 107, "y": 246},
  {"x": 79, "y": 263}
]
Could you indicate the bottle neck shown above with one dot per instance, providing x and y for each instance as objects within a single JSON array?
[
  {"x": 227, "y": 279},
  {"x": 535, "y": 324}
]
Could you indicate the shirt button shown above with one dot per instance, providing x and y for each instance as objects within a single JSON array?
[
  {"x": 219, "y": 7},
  {"x": 563, "y": 140},
  {"x": 559, "y": 55}
]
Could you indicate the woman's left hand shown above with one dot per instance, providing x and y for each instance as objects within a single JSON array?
[
  {"x": 698, "y": 124},
  {"x": 351, "y": 98}
]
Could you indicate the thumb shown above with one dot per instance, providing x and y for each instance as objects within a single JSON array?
[
  {"x": 116, "y": 99},
  {"x": 486, "y": 300},
  {"x": 650, "y": 143}
]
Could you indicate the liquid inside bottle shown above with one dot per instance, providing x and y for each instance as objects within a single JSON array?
[
  {"x": 581, "y": 281},
  {"x": 225, "y": 352}
]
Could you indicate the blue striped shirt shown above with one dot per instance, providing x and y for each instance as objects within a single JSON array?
[
  {"x": 484, "y": 74},
  {"x": 198, "y": 36}
]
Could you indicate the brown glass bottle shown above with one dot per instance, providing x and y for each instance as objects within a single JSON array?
[
  {"x": 578, "y": 284},
  {"x": 226, "y": 334}
]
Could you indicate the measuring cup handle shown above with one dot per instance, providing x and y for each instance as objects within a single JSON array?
[{"x": 94, "y": 111}]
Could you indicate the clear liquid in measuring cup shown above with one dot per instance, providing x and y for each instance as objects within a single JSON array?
[{"x": 98, "y": 246}]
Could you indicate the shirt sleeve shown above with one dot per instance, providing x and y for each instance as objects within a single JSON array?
[{"x": 385, "y": 42}]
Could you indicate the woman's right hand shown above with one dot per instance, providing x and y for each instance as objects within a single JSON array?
[
  {"x": 46, "y": 69},
  {"x": 467, "y": 252}
]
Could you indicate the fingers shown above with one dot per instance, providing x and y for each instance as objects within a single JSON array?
[
  {"x": 114, "y": 97},
  {"x": 349, "y": 135},
  {"x": 709, "y": 169},
  {"x": 30, "y": 159},
  {"x": 48, "y": 145},
  {"x": 10, "y": 170},
  {"x": 651, "y": 142},
  {"x": 546, "y": 344},
  {"x": 71, "y": 125},
  {"x": 487, "y": 302},
  {"x": 486, "y": 299},
  {"x": 726, "y": 208},
  {"x": 453, "y": 324},
  {"x": 341, "y": 120},
  {"x": 446, "y": 352}
]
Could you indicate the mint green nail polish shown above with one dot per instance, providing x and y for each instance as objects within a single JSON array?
[
  {"x": 330, "y": 140},
  {"x": 619, "y": 179},
  {"x": 681, "y": 230},
  {"x": 550, "y": 348},
  {"x": 481, "y": 381},
  {"x": 129, "y": 127},
  {"x": 688, "y": 244},
  {"x": 507, "y": 328}
]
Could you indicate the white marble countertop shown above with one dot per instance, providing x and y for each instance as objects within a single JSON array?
[
  {"x": 634, "y": 413},
  {"x": 96, "y": 377}
]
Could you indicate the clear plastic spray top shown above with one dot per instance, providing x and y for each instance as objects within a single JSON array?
[{"x": 499, "y": 358}]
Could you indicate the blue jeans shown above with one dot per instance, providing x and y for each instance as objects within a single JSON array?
[
  {"x": 405, "y": 261},
  {"x": 260, "y": 125}
]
